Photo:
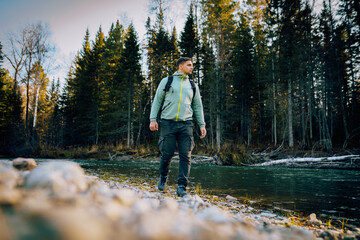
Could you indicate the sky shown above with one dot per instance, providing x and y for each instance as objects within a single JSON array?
[{"x": 69, "y": 19}]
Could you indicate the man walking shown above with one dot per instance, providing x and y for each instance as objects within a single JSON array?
[{"x": 177, "y": 105}]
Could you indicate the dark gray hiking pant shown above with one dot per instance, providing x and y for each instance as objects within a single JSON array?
[{"x": 182, "y": 133}]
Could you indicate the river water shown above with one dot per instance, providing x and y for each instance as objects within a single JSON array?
[{"x": 330, "y": 193}]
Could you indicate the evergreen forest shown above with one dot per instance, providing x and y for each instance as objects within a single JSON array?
[{"x": 272, "y": 74}]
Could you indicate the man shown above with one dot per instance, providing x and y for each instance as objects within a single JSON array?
[{"x": 178, "y": 105}]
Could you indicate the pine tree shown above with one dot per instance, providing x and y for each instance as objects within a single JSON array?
[
  {"x": 11, "y": 125},
  {"x": 219, "y": 25},
  {"x": 80, "y": 98},
  {"x": 90, "y": 124},
  {"x": 208, "y": 87},
  {"x": 112, "y": 85},
  {"x": 349, "y": 12},
  {"x": 174, "y": 51},
  {"x": 159, "y": 46},
  {"x": 243, "y": 66},
  {"x": 131, "y": 70},
  {"x": 189, "y": 41}
]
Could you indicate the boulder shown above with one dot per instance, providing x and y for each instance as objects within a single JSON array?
[
  {"x": 24, "y": 163},
  {"x": 58, "y": 177}
]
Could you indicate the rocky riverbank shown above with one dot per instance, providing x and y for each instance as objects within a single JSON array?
[{"x": 56, "y": 200}]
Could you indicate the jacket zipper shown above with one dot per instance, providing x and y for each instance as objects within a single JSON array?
[{"x": 177, "y": 115}]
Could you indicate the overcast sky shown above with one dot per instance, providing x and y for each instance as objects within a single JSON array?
[{"x": 68, "y": 20}]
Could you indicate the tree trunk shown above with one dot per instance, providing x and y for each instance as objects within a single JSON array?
[
  {"x": 274, "y": 105},
  {"x": 36, "y": 105},
  {"x": 129, "y": 121},
  {"x": 290, "y": 118}
]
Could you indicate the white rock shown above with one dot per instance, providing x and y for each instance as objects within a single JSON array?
[
  {"x": 198, "y": 199},
  {"x": 268, "y": 214},
  {"x": 312, "y": 219},
  {"x": 230, "y": 198},
  {"x": 58, "y": 177},
  {"x": 126, "y": 197},
  {"x": 24, "y": 163},
  {"x": 213, "y": 214}
]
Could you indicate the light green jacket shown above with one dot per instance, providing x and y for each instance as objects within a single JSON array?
[{"x": 179, "y": 104}]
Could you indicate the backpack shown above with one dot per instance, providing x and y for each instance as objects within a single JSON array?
[
  {"x": 170, "y": 80},
  {"x": 167, "y": 88}
]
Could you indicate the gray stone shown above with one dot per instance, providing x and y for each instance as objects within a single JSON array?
[
  {"x": 24, "y": 163},
  {"x": 58, "y": 177}
]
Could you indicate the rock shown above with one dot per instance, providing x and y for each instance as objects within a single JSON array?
[
  {"x": 9, "y": 196},
  {"x": 80, "y": 224},
  {"x": 24, "y": 163},
  {"x": 9, "y": 177},
  {"x": 213, "y": 214},
  {"x": 313, "y": 220},
  {"x": 267, "y": 214},
  {"x": 230, "y": 198},
  {"x": 169, "y": 203},
  {"x": 125, "y": 196},
  {"x": 58, "y": 177},
  {"x": 163, "y": 224}
]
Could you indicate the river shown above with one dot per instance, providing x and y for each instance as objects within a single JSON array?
[{"x": 330, "y": 193}]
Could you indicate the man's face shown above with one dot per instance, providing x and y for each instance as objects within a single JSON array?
[{"x": 186, "y": 67}]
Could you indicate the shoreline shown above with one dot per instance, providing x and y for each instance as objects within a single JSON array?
[
  {"x": 236, "y": 208},
  {"x": 345, "y": 162}
]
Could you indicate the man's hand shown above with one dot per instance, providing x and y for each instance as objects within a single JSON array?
[
  {"x": 203, "y": 132},
  {"x": 154, "y": 126}
]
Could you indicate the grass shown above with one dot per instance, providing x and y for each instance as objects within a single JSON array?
[
  {"x": 234, "y": 154},
  {"x": 343, "y": 222}
]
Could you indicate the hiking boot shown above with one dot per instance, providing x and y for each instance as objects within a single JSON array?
[
  {"x": 181, "y": 191},
  {"x": 162, "y": 183}
]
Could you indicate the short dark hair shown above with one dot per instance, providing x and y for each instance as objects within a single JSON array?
[{"x": 181, "y": 60}]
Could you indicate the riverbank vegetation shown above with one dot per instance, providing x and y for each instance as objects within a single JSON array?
[{"x": 275, "y": 75}]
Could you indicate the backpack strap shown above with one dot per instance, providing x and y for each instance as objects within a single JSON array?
[
  {"x": 167, "y": 87},
  {"x": 170, "y": 80},
  {"x": 168, "y": 84},
  {"x": 192, "y": 85}
]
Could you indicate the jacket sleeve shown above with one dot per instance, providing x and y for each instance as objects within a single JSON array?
[
  {"x": 158, "y": 99},
  {"x": 198, "y": 108}
]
